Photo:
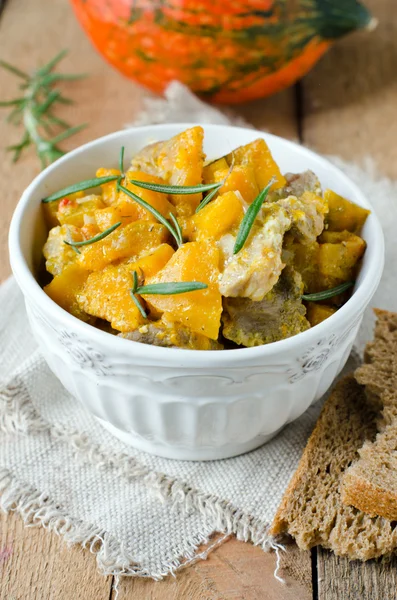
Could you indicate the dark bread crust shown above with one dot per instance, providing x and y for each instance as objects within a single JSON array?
[
  {"x": 370, "y": 484},
  {"x": 311, "y": 510}
]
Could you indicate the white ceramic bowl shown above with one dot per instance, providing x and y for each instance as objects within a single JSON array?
[{"x": 185, "y": 404}]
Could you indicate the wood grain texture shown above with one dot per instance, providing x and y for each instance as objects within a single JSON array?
[
  {"x": 350, "y": 96},
  {"x": 339, "y": 579},
  {"x": 35, "y": 565},
  {"x": 235, "y": 571}
]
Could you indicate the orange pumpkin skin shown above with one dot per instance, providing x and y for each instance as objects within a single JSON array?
[{"x": 225, "y": 50}]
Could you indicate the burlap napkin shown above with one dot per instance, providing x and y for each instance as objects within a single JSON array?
[{"x": 139, "y": 514}]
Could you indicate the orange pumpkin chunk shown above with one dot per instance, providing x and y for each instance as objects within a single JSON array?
[
  {"x": 217, "y": 218},
  {"x": 109, "y": 190},
  {"x": 316, "y": 313},
  {"x": 125, "y": 242},
  {"x": 210, "y": 170},
  {"x": 199, "y": 310},
  {"x": 338, "y": 262},
  {"x": 178, "y": 161},
  {"x": 150, "y": 264},
  {"x": 343, "y": 214},
  {"x": 257, "y": 155},
  {"x": 78, "y": 212},
  {"x": 157, "y": 200},
  {"x": 64, "y": 288},
  {"x": 241, "y": 179},
  {"x": 106, "y": 293}
]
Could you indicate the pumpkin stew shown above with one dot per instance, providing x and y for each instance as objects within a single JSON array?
[{"x": 179, "y": 252}]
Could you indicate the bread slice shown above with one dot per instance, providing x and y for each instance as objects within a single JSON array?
[
  {"x": 311, "y": 510},
  {"x": 370, "y": 484}
]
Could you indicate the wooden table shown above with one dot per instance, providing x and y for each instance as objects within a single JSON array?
[{"x": 346, "y": 106}]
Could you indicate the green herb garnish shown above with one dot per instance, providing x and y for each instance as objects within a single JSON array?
[
  {"x": 133, "y": 291},
  {"x": 249, "y": 218},
  {"x": 96, "y": 238},
  {"x": 176, "y": 233},
  {"x": 33, "y": 109},
  {"x": 178, "y": 229},
  {"x": 339, "y": 289},
  {"x": 175, "y": 189},
  {"x": 171, "y": 288},
  {"x": 121, "y": 160},
  {"x": 79, "y": 187}
]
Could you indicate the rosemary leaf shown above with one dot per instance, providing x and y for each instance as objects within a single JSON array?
[
  {"x": 55, "y": 77},
  {"x": 96, "y": 238},
  {"x": 174, "y": 189},
  {"x": 138, "y": 304},
  {"x": 249, "y": 218},
  {"x": 51, "y": 64},
  {"x": 153, "y": 211},
  {"x": 135, "y": 282},
  {"x": 14, "y": 70},
  {"x": 121, "y": 160},
  {"x": 16, "y": 102},
  {"x": 208, "y": 198},
  {"x": 339, "y": 289},
  {"x": 171, "y": 288},
  {"x": 49, "y": 101},
  {"x": 177, "y": 228},
  {"x": 65, "y": 134},
  {"x": 79, "y": 187},
  {"x": 56, "y": 120}
]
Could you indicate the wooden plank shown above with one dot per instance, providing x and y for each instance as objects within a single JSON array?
[
  {"x": 276, "y": 114},
  {"x": 350, "y": 97},
  {"x": 37, "y": 565},
  {"x": 232, "y": 572},
  {"x": 339, "y": 578}
]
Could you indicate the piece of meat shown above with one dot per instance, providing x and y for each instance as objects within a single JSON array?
[
  {"x": 58, "y": 254},
  {"x": 171, "y": 335},
  {"x": 252, "y": 272},
  {"x": 298, "y": 183},
  {"x": 307, "y": 214},
  {"x": 281, "y": 314}
]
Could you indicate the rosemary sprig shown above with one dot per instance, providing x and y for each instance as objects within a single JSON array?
[
  {"x": 79, "y": 187},
  {"x": 175, "y": 189},
  {"x": 249, "y": 218},
  {"x": 175, "y": 232},
  {"x": 339, "y": 289},
  {"x": 33, "y": 110},
  {"x": 96, "y": 238},
  {"x": 171, "y": 288}
]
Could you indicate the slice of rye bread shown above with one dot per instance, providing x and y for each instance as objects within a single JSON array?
[
  {"x": 311, "y": 510},
  {"x": 370, "y": 484}
]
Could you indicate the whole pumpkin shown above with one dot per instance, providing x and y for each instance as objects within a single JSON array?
[{"x": 225, "y": 50}]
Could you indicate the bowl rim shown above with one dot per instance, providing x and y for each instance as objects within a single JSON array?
[{"x": 355, "y": 305}]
